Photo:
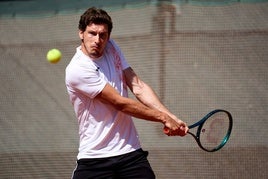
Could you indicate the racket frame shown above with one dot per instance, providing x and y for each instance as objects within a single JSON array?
[{"x": 200, "y": 124}]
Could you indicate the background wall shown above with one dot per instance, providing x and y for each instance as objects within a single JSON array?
[{"x": 197, "y": 55}]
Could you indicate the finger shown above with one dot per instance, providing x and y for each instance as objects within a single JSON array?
[
  {"x": 183, "y": 129},
  {"x": 166, "y": 130}
]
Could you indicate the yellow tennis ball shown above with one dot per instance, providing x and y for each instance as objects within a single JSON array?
[{"x": 53, "y": 55}]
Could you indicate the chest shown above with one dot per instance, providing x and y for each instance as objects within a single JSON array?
[{"x": 110, "y": 67}]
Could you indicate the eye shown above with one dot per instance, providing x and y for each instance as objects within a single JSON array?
[
  {"x": 103, "y": 35},
  {"x": 92, "y": 33}
]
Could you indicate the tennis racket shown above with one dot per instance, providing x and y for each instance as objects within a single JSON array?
[{"x": 213, "y": 130}]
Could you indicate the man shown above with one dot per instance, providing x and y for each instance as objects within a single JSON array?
[{"x": 97, "y": 79}]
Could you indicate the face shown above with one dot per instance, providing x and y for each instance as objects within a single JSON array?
[{"x": 94, "y": 40}]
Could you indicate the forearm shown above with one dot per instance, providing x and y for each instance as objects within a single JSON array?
[
  {"x": 171, "y": 123},
  {"x": 148, "y": 97},
  {"x": 144, "y": 93},
  {"x": 130, "y": 106},
  {"x": 139, "y": 110}
]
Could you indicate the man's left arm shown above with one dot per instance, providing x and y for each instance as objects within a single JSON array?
[{"x": 144, "y": 93}]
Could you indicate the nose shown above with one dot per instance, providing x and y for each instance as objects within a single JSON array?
[{"x": 97, "y": 39}]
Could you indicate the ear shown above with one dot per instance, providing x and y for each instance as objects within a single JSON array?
[{"x": 81, "y": 34}]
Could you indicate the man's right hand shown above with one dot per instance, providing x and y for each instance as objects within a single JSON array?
[{"x": 175, "y": 128}]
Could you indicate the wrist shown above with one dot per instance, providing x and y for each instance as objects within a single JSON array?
[{"x": 163, "y": 117}]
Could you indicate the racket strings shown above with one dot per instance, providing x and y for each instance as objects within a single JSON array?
[{"x": 214, "y": 131}]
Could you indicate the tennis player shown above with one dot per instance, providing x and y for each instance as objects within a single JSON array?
[{"x": 97, "y": 79}]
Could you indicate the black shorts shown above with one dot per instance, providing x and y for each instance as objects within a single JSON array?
[{"x": 133, "y": 165}]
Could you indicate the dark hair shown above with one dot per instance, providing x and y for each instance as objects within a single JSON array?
[{"x": 96, "y": 16}]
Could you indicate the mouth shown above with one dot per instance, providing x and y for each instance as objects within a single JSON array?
[
  {"x": 96, "y": 51},
  {"x": 95, "y": 47}
]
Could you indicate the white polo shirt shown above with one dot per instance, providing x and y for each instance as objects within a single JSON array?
[{"x": 103, "y": 130}]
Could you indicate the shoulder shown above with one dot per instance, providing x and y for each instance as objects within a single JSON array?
[
  {"x": 80, "y": 66},
  {"x": 113, "y": 45},
  {"x": 80, "y": 60}
]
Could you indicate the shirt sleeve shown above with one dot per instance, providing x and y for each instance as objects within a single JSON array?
[
  {"x": 84, "y": 79},
  {"x": 124, "y": 62}
]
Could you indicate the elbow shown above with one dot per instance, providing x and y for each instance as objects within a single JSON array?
[{"x": 138, "y": 89}]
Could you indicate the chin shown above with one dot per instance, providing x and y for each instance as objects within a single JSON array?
[{"x": 95, "y": 55}]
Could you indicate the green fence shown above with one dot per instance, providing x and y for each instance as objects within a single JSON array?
[{"x": 50, "y": 7}]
